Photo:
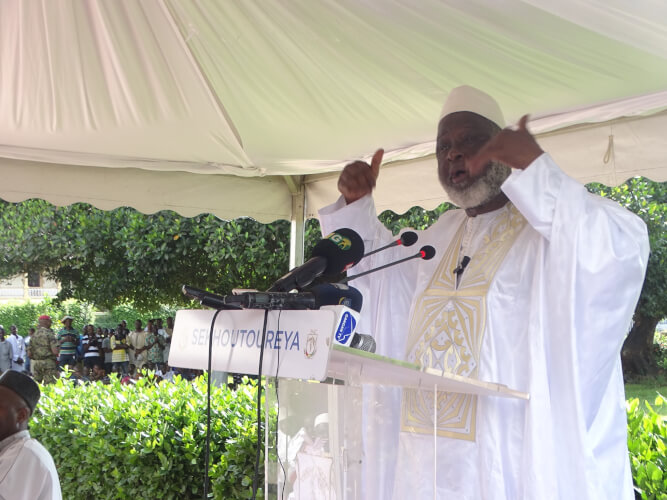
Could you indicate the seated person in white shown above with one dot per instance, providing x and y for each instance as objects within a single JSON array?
[{"x": 27, "y": 471}]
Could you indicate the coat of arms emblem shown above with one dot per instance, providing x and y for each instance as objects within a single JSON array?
[{"x": 311, "y": 344}]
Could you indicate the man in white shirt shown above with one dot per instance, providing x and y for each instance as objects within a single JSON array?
[
  {"x": 27, "y": 471},
  {"x": 18, "y": 348},
  {"x": 533, "y": 286}
]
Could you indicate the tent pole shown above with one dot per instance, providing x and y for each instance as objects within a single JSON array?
[{"x": 298, "y": 222}]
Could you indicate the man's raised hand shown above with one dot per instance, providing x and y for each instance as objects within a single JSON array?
[
  {"x": 358, "y": 178},
  {"x": 515, "y": 147}
]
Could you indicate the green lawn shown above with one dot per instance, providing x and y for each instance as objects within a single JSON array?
[{"x": 647, "y": 390}]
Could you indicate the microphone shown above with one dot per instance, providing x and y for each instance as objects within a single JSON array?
[
  {"x": 331, "y": 294},
  {"x": 337, "y": 294},
  {"x": 253, "y": 300},
  {"x": 321, "y": 295},
  {"x": 334, "y": 254},
  {"x": 326, "y": 294},
  {"x": 408, "y": 238},
  {"x": 208, "y": 299},
  {"x": 427, "y": 252}
]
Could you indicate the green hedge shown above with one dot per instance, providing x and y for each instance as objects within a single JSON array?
[
  {"x": 146, "y": 441},
  {"x": 647, "y": 442}
]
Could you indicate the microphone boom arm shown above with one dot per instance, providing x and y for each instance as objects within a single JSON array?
[{"x": 427, "y": 252}]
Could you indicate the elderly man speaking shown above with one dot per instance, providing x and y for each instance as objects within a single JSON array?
[{"x": 533, "y": 286}]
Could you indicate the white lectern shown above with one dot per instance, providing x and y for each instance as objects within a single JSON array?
[{"x": 315, "y": 386}]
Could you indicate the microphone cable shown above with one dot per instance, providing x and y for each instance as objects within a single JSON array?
[
  {"x": 207, "y": 450},
  {"x": 255, "y": 478},
  {"x": 277, "y": 379}
]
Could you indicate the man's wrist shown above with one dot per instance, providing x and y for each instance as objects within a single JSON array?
[{"x": 529, "y": 158}]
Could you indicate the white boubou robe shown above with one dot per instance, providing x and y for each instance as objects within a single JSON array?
[
  {"x": 542, "y": 307},
  {"x": 27, "y": 471}
]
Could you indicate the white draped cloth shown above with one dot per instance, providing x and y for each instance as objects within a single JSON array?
[
  {"x": 543, "y": 307},
  {"x": 27, "y": 471}
]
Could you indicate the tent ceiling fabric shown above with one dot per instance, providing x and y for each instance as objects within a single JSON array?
[
  {"x": 262, "y": 198},
  {"x": 212, "y": 102}
]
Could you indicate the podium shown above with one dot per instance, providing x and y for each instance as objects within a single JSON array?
[{"x": 317, "y": 390}]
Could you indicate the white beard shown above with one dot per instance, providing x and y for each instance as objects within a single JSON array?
[{"x": 483, "y": 190}]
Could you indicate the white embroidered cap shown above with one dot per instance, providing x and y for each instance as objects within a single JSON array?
[{"x": 467, "y": 98}]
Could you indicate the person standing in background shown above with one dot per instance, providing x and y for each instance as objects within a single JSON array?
[
  {"x": 18, "y": 346},
  {"x": 119, "y": 350},
  {"x": 92, "y": 350},
  {"x": 43, "y": 351},
  {"x": 27, "y": 339},
  {"x": 106, "y": 350},
  {"x": 6, "y": 352},
  {"x": 169, "y": 331},
  {"x": 68, "y": 341},
  {"x": 155, "y": 344},
  {"x": 137, "y": 342}
]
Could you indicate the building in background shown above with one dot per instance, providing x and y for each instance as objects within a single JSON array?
[{"x": 31, "y": 287}]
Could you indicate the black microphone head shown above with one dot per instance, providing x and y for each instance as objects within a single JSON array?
[
  {"x": 335, "y": 294},
  {"x": 192, "y": 292},
  {"x": 342, "y": 249},
  {"x": 427, "y": 251},
  {"x": 408, "y": 238}
]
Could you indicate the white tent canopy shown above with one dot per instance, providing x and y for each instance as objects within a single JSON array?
[{"x": 251, "y": 108}]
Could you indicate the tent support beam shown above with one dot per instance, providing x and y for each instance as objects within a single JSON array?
[{"x": 298, "y": 221}]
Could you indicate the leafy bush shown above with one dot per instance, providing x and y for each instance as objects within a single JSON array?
[
  {"x": 415, "y": 218},
  {"x": 647, "y": 442},
  {"x": 660, "y": 351},
  {"x": 147, "y": 441}
]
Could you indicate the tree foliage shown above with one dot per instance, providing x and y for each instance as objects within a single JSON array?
[
  {"x": 110, "y": 258},
  {"x": 415, "y": 218},
  {"x": 123, "y": 257}
]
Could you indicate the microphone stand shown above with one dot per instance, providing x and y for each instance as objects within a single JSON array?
[{"x": 217, "y": 302}]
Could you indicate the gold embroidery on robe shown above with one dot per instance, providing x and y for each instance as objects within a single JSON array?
[{"x": 447, "y": 329}]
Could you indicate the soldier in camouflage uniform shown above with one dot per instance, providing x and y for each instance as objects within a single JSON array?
[{"x": 43, "y": 351}]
